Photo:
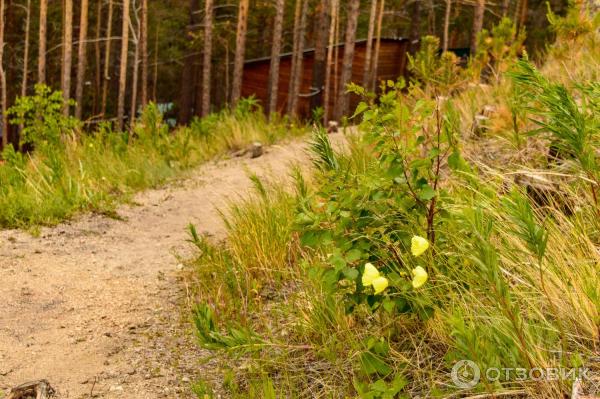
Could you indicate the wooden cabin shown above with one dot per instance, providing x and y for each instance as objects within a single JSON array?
[{"x": 255, "y": 81}]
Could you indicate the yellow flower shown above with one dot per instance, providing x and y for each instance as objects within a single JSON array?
[
  {"x": 371, "y": 276},
  {"x": 418, "y": 245},
  {"x": 419, "y": 277},
  {"x": 380, "y": 284}
]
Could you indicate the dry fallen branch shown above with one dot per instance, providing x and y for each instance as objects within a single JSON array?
[{"x": 40, "y": 389}]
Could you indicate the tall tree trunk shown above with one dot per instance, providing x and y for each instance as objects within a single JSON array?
[
  {"x": 298, "y": 60},
  {"x": 505, "y": 6},
  {"x": 328, "y": 67},
  {"x": 123, "y": 65},
  {"x": 81, "y": 58},
  {"x": 415, "y": 26},
  {"x": 295, "y": 42},
  {"x": 107, "y": 52},
  {"x": 67, "y": 55},
  {"x": 517, "y": 12},
  {"x": 375, "y": 67},
  {"x": 273, "y": 87},
  {"x": 454, "y": 33},
  {"x": 523, "y": 16},
  {"x": 26, "y": 51},
  {"x": 188, "y": 93},
  {"x": 319, "y": 66},
  {"x": 136, "y": 66},
  {"x": 155, "y": 77},
  {"x": 369, "y": 49},
  {"x": 3, "y": 95},
  {"x": 98, "y": 56},
  {"x": 240, "y": 50},
  {"x": 144, "y": 53},
  {"x": 342, "y": 106},
  {"x": 207, "y": 57},
  {"x": 42, "y": 41},
  {"x": 478, "y": 13},
  {"x": 446, "y": 25}
]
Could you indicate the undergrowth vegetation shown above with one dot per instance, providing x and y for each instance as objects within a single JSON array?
[
  {"x": 70, "y": 171},
  {"x": 457, "y": 229}
]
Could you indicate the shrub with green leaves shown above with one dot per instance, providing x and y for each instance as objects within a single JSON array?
[{"x": 41, "y": 117}]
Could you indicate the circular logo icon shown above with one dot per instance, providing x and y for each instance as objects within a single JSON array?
[{"x": 465, "y": 374}]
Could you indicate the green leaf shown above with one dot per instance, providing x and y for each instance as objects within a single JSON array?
[
  {"x": 353, "y": 255},
  {"x": 371, "y": 364},
  {"x": 362, "y": 107},
  {"x": 456, "y": 161},
  {"x": 350, "y": 273},
  {"x": 426, "y": 193}
]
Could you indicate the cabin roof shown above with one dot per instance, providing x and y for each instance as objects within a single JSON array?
[{"x": 312, "y": 50}]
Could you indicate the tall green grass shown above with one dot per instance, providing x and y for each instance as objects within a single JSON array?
[{"x": 97, "y": 171}]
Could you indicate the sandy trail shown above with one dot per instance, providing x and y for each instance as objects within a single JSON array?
[{"x": 94, "y": 305}]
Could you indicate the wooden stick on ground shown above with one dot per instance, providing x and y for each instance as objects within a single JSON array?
[{"x": 39, "y": 389}]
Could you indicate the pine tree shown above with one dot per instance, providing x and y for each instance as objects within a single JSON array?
[
  {"x": 273, "y": 87},
  {"x": 342, "y": 105},
  {"x": 446, "y": 25},
  {"x": 81, "y": 58},
  {"x": 298, "y": 57},
  {"x": 67, "y": 55},
  {"x": 240, "y": 50},
  {"x": 107, "y": 53},
  {"x": 4, "y": 126},
  {"x": 319, "y": 65},
  {"x": 375, "y": 66},
  {"x": 144, "y": 52},
  {"x": 42, "y": 41},
  {"x": 207, "y": 57},
  {"x": 330, "y": 59},
  {"x": 123, "y": 65},
  {"x": 26, "y": 50},
  {"x": 478, "y": 14}
]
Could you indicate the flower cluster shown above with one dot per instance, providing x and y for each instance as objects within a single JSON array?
[{"x": 372, "y": 277}]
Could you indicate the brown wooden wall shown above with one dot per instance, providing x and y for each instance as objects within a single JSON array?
[{"x": 392, "y": 64}]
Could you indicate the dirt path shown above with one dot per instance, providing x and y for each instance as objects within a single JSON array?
[{"x": 93, "y": 305}]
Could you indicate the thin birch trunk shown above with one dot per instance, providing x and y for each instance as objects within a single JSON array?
[{"x": 330, "y": 49}]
